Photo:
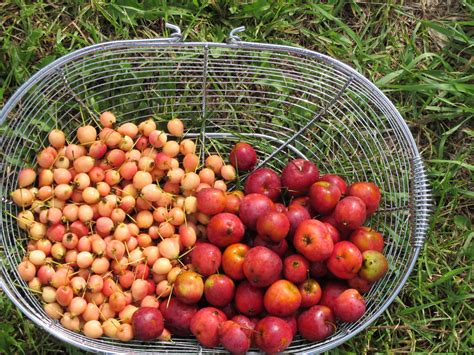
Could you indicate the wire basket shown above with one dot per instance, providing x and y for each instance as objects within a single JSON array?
[{"x": 288, "y": 102}]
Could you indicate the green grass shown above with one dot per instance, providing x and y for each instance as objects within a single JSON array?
[{"x": 420, "y": 55}]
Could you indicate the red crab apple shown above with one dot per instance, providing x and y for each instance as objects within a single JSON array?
[
  {"x": 178, "y": 315},
  {"x": 360, "y": 284},
  {"x": 316, "y": 323},
  {"x": 295, "y": 268},
  {"x": 243, "y": 157},
  {"x": 350, "y": 212},
  {"x": 345, "y": 261},
  {"x": 210, "y": 201},
  {"x": 324, "y": 196},
  {"x": 280, "y": 248},
  {"x": 233, "y": 338},
  {"x": 253, "y": 206},
  {"x": 188, "y": 287},
  {"x": 349, "y": 306},
  {"x": 233, "y": 260},
  {"x": 331, "y": 290},
  {"x": 264, "y": 181},
  {"x": 318, "y": 269},
  {"x": 273, "y": 334},
  {"x": 296, "y": 214},
  {"x": 246, "y": 324},
  {"x": 333, "y": 232},
  {"x": 206, "y": 258},
  {"x": 311, "y": 293},
  {"x": 262, "y": 266},
  {"x": 205, "y": 326},
  {"x": 298, "y": 176},
  {"x": 282, "y": 298},
  {"x": 367, "y": 192},
  {"x": 335, "y": 180},
  {"x": 225, "y": 229},
  {"x": 219, "y": 290},
  {"x": 312, "y": 239},
  {"x": 366, "y": 238},
  {"x": 249, "y": 299},
  {"x": 374, "y": 265},
  {"x": 273, "y": 225},
  {"x": 292, "y": 322},
  {"x": 147, "y": 323}
]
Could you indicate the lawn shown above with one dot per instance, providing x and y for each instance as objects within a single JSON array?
[{"x": 420, "y": 55}]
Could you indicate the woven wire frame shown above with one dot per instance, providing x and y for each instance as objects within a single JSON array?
[{"x": 286, "y": 101}]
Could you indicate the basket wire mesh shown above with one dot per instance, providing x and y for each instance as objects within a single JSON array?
[{"x": 299, "y": 102}]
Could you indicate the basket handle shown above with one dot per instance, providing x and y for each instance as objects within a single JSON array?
[
  {"x": 176, "y": 35},
  {"x": 233, "y": 38}
]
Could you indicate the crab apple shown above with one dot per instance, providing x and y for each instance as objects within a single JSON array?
[
  {"x": 366, "y": 238},
  {"x": 249, "y": 299},
  {"x": 367, "y": 192},
  {"x": 210, "y": 201},
  {"x": 27, "y": 270},
  {"x": 246, "y": 324},
  {"x": 312, "y": 239},
  {"x": 324, "y": 196},
  {"x": 333, "y": 232},
  {"x": 147, "y": 323},
  {"x": 206, "y": 258},
  {"x": 335, "y": 180},
  {"x": 374, "y": 265},
  {"x": 345, "y": 260},
  {"x": 26, "y": 177},
  {"x": 349, "y": 306},
  {"x": 219, "y": 290},
  {"x": 178, "y": 316},
  {"x": 64, "y": 295},
  {"x": 296, "y": 214},
  {"x": 205, "y": 326},
  {"x": 24, "y": 197},
  {"x": 233, "y": 260},
  {"x": 331, "y": 290},
  {"x": 273, "y": 225},
  {"x": 282, "y": 298},
  {"x": 188, "y": 287},
  {"x": 280, "y": 248},
  {"x": 252, "y": 207},
  {"x": 318, "y": 269},
  {"x": 243, "y": 157},
  {"x": 262, "y": 266},
  {"x": 273, "y": 334},
  {"x": 360, "y": 284},
  {"x": 225, "y": 229},
  {"x": 264, "y": 181},
  {"x": 233, "y": 338},
  {"x": 311, "y": 293},
  {"x": 298, "y": 176},
  {"x": 296, "y": 268},
  {"x": 350, "y": 213},
  {"x": 316, "y": 323}
]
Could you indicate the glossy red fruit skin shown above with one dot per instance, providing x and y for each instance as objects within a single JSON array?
[
  {"x": 296, "y": 268},
  {"x": 296, "y": 215},
  {"x": 253, "y": 206},
  {"x": 211, "y": 201},
  {"x": 205, "y": 326},
  {"x": 233, "y": 260},
  {"x": 178, "y": 316},
  {"x": 366, "y": 238},
  {"x": 262, "y": 267},
  {"x": 367, "y": 192},
  {"x": 350, "y": 213},
  {"x": 206, "y": 258},
  {"x": 345, "y": 261},
  {"x": 225, "y": 229},
  {"x": 318, "y": 269},
  {"x": 243, "y": 157},
  {"x": 264, "y": 181},
  {"x": 349, "y": 306},
  {"x": 282, "y": 298},
  {"x": 298, "y": 176},
  {"x": 279, "y": 248},
  {"x": 335, "y": 180},
  {"x": 302, "y": 201},
  {"x": 311, "y": 293},
  {"x": 188, "y": 287},
  {"x": 249, "y": 299},
  {"x": 280, "y": 207},
  {"x": 273, "y": 334},
  {"x": 330, "y": 291},
  {"x": 333, "y": 232},
  {"x": 361, "y": 285},
  {"x": 247, "y": 325},
  {"x": 312, "y": 239},
  {"x": 374, "y": 265},
  {"x": 273, "y": 225},
  {"x": 219, "y": 290},
  {"x": 233, "y": 338},
  {"x": 316, "y": 323},
  {"x": 147, "y": 323},
  {"x": 324, "y": 197}
]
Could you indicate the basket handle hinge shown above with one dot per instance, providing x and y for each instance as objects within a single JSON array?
[
  {"x": 422, "y": 203},
  {"x": 176, "y": 35},
  {"x": 233, "y": 38}
]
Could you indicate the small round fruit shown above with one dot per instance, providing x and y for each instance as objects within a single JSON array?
[
  {"x": 374, "y": 265},
  {"x": 367, "y": 192},
  {"x": 282, "y": 298},
  {"x": 312, "y": 239},
  {"x": 264, "y": 181},
  {"x": 349, "y": 306},
  {"x": 350, "y": 213},
  {"x": 345, "y": 260},
  {"x": 273, "y": 335},
  {"x": 262, "y": 267},
  {"x": 243, "y": 157},
  {"x": 316, "y": 323},
  {"x": 366, "y": 238},
  {"x": 273, "y": 225},
  {"x": 298, "y": 176},
  {"x": 147, "y": 323}
]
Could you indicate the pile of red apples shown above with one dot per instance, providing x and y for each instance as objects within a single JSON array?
[{"x": 132, "y": 236}]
